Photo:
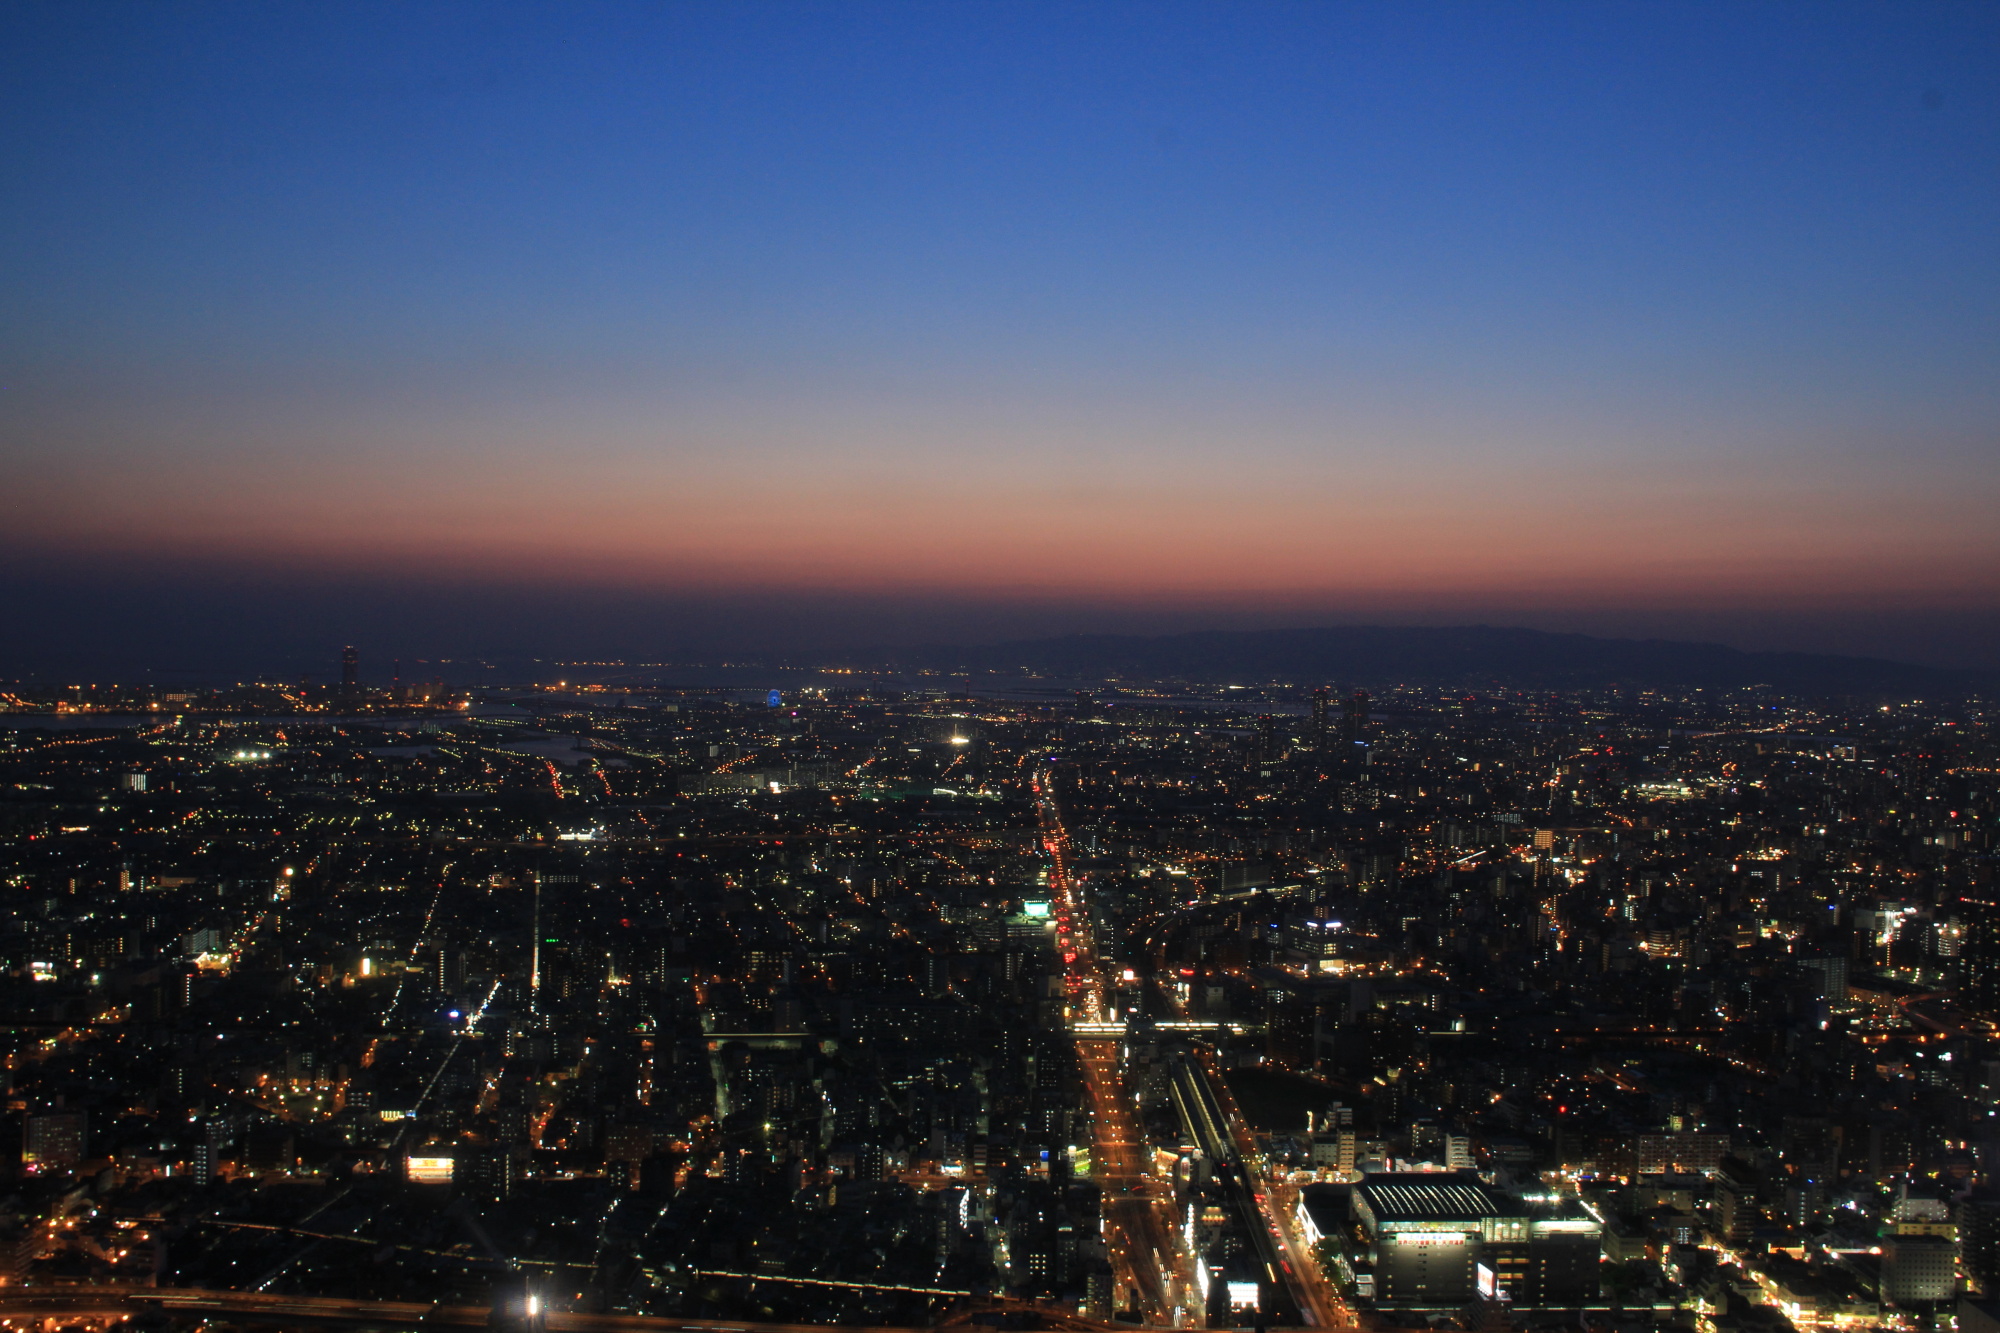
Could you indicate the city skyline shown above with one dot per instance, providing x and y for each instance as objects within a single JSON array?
[{"x": 719, "y": 667}]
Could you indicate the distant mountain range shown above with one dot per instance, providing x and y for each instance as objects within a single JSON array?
[{"x": 1469, "y": 655}]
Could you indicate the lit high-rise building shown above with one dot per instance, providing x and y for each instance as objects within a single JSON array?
[{"x": 1979, "y": 989}]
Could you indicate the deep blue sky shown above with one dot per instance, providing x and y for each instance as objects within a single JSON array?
[{"x": 1507, "y": 312}]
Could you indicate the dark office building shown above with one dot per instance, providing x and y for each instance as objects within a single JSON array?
[
  {"x": 486, "y": 1173},
  {"x": 52, "y": 1141}
]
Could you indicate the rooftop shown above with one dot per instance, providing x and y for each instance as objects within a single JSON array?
[{"x": 1417, "y": 1197}]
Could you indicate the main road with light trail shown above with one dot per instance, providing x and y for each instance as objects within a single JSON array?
[
  {"x": 1147, "y": 1251},
  {"x": 1148, "y": 1263}
]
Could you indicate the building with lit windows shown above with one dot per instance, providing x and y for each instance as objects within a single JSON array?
[
  {"x": 1437, "y": 1241},
  {"x": 1979, "y": 946}
]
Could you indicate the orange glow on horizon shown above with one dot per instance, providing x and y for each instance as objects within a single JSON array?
[{"x": 1528, "y": 534}]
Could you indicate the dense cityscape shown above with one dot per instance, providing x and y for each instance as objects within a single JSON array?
[
  {"x": 1026, "y": 666},
  {"x": 899, "y": 1001}
]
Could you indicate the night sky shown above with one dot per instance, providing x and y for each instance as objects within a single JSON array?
[{"x": 590, "y": 328}]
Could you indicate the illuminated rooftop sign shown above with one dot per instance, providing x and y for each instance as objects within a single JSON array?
[{"x": 427, "y": 1170}]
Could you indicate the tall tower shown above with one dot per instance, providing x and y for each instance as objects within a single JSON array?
[
  {"x": 350, "y": 669},
  {"x": 1321, "y": 719},
  {"x": 1356, "y": 720},
  {"x": 535, "y": 953},
  {"x": 1269, "y": 746}
]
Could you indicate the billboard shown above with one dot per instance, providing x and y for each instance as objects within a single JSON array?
[{"x": 427, "y": 1170}]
